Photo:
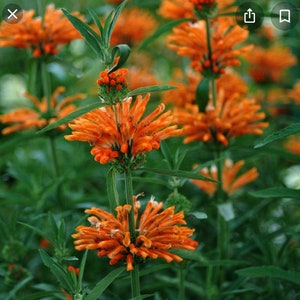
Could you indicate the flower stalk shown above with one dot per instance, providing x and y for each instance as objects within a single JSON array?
[{"x": 135, "y": 276}]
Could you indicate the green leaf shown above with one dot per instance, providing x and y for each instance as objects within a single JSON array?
[
  {"x": 202, "y": 94},
  {"x": 176, "y": 173},
  {"x": 141, "y": 297},
  {"x": 270, "y": 272},
  {"x": 97, "y": 22},
  {"x": 151, "y": 180},
  {"x": 87, "y": 32},
  {"x": 123, "y": 52},
  {"x": 165, "y": 149},
  {"x": 292, "y": 129},
  {"x": 81, "y": 270},
  {"x": 151, "y": 89},
  {"x": 111, "y": 25},
  {"x": 57, "y": 270},
  {"x": 277, "y": 192},
  {"x": 73, "y": 115},
  {"x": 102, "y": 285},
  {"x": 40, "y": 295},
  {"x": 164, "y": 28},
  {"x": 17, "y": 287}
]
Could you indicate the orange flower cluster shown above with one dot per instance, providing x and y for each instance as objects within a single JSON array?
[
  {"x": 231, "y": 181},
  {"x": 229, "y": 84},
  {"x": 40, "y": 115},
  {"x": 156, "y": 233},
  {"x": 42, "y": 35},
  {"x": 127, "y": 33},
  {"x": 176, "y": 9},
  {"x": 113, "y": 86},
  {"x": 231, "y": 117},
  {"x": 119, "y": 132},
  {"x": 293, "y": 144},
  {"x": 179, "y": 9},
  {"x": 268, "y": 65},
  {"x": 295, "y": 93},
  {"x": 190, "y": 40}
]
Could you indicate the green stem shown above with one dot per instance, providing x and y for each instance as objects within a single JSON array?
[
  {"x": 181, "y": 275},
  {"x": 46, "y": 86},
  {"x": 214, "y": 92},
  {"x": 209, "y": 54},
  {"x": 112, "y": 192},
  {"x": 55, "y": 169},
  {"x": 135, "y": 275},
  {"x": 222, "y": 224}
]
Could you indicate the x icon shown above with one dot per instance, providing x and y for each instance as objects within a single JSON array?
[{"x": 12, "y": 14}]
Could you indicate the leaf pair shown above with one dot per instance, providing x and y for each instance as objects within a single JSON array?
[{"x": 100, "y": 43}]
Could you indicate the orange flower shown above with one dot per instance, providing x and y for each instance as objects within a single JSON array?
[
  {"x": 127, "y": 33},
  {"x": 293, "y": 144},
  {"x": 119, "y": 134},
  {"x": 176, "y": 9},
  {"x": 179, "y": 9},
  {"x": 42, "y": 35},
  {"x": 185, "y": 93},
  {"x": 156, "y": 233},
  {"x": 232, "y": 117},
  {"x": 268, "y": 65},
  {"x": 231, "y": 181},
  {"x": 190, "y": 40},
  {"x": 39, "y": 115},
  {"x": 295, "y": 93}
]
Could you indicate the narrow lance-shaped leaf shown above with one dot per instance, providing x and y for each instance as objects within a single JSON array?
[
  {"x": 102, "y": 285},
  {"x": 202, "y": 94},
  {"x": 87, "y": 32},
  {"x": 58, "y": 271},
  {"x": 277, "y": 192},
  {"x": 73, "y": 115},
  {"x": 292, "y": 129},
  {"x": 176, "y": 173},
  {"x": 123, "y": 52},
  {"x": 271, "y": 272},
  {"x": 97, "y": 22},
  {"x": 111, "y": 25},
  {"x": 151, "y": 89}
]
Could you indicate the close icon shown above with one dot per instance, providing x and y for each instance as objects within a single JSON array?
[{"x": 12, "y": 13}]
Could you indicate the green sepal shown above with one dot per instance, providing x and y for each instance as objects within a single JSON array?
[{"x": 202, "y": 94}]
